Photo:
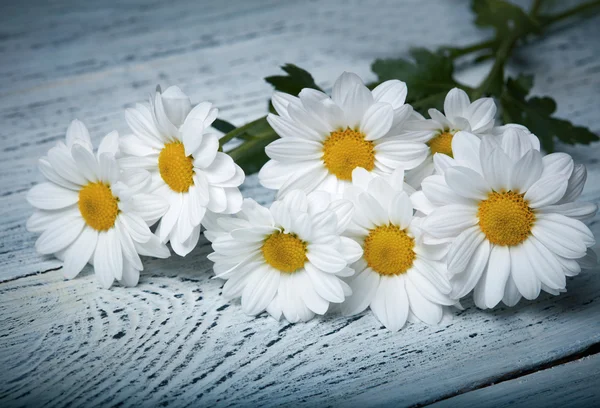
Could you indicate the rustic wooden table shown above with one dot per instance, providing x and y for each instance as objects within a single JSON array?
[{"x": 174, "y": 340}]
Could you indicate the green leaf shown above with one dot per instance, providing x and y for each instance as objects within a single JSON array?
[
  {"x": 536, "y": 114},
  {"x": 428, "y": 77},
  {"x": 295, "y": 80},
  {"x": 506, "y": 18},
  {"x": 250, "y": 155},
  {"x": 223, "y": 126}
]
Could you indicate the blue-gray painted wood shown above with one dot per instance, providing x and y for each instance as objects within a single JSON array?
[
  {"x": 174, "y": 339},
  {"x": 574, "y": 384}
]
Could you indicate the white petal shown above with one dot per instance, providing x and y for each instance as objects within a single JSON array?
[
  {"x": 182, "y": 248},
  {"x": 86, "y": 162},
  {"x": 48, "y": 196},
  {"x": 400, "y": 210},
  {"x": 511, "y": 293},
  {"x": 522, "y": 272},
  {"x": 221, "y": 169},
  {"x": 465, "y": 149},
  {"x": 109, "y": 144},
  {"x": 63, "y": 164},
  {"x": 48, "y": 171},
  {"x": 364, "y": 286},
  {"x": 456, "y": 103},
  {"x": 465, "y": 282},
  {"x": 496, "y": 168},
  {"x": 466, "y": 182},
  {"x": 256, "y": 213},
  {"x": 141, "y": 123},
  {"x": 546, "y": 191},
  {"x": 526, "y": 171},
  {"x": 294, "y": 149},
  {"x": 150, "y": 207},
  {"x": 480, "y": 114},
  {"x": 131, "y": 276},
  {"x": 218, "y": 199},
  {"x": 80, "y": 252},
  {"x": 496, "y": 275},
  {"x": 557, "y": 164},
  {"x": 343, "y": 85},
  {"x": 260, "y": 290},
  {"x": 390, "y": 304},
  {"x": 393, "y": 92},
  {"x": 108, "y": 168},
  {"x": 108, "y": 258},
  {"x": 168, "y": 221},
  {"x": 177, "y": 105},
  {"x": 153, "y": 248},
  {"x": 326, "y": 285},
  {"x": 545, "y": 265},
  {"x": 450, "y": 221},
  {"x": 578, "y": 210},
  {"x": 206, "y": 153},
  {"x": 325, "y": 258},
  {"x": 462, "y": 249},
  {"x": 127, "y": 246},
  {"x": 377, "y": 121},
  {"x": 78, "y": 133},
  {"x": 576, "y": 183},
  {"x": 423, "y": 309},
  {"x": 60, "y": 235},
  {"x": 309, "y": 295}
]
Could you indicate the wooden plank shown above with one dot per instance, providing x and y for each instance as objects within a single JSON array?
[
  {"x": 48, "y": 81},
  {"x": 574, "y": 384},
  {"x": 174, "y": 340}
]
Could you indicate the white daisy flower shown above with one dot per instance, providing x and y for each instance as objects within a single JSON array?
[
  {"x": 510, "y": 215},
  {"x": 399, "y": 276},
  {"x": 459, "y": 114},
  {"x": 287, "y": 259},
  {"x": 323, "y": 139},
  {"x": 90, "y": 211},
  {"x": 170, "y": 140}
]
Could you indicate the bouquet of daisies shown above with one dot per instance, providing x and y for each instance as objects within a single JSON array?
[{"x": 377, "y": 206}]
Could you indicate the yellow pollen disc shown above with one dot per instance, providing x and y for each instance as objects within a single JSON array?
[
  {"x": 388, "y": 250},
  {"x": 442, "y": 143},
  {"x": 176, "y": 169},
  {"x": 284, "y": 252},
  {"x": 345, "y": 150},
  {"x": 98, "y": 206},
  {"x": 505, "y": 218}
]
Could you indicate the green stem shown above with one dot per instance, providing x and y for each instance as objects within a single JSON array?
[
  {"x": 544, "y": 21},
  {"x": 551, "y": 19},
  {"x": 238, "y": 131}
]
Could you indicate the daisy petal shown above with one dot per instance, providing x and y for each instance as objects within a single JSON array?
[
  {"x": 80, "y": 252},
  {"x": 48, "y": 196},
  {"x": 466, "y": 182},
  {"x": 260, "y": 290},
  {"x": 60, "y": 236}
]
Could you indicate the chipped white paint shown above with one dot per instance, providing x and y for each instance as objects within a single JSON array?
[{"x": 174, "y": 338}]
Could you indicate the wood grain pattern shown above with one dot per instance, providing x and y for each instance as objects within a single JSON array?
[
  {"x": 574, "y": 384},
  {"x": 174, "y": 340}
]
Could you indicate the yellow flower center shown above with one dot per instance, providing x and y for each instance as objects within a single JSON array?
[
  {"x": 442, "y": 143},
  {"x": 176, "y": 169},
  {"x": 345, "y": 150},
  {"x": 284, "y": 252},
  {"x": 98, "y": 206},
  {"x": 505, "y": 218},
  {"x": 388, "y": 250}
]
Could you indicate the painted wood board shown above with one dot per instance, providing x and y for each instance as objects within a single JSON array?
[
  {"x": 174, "y": 339},
  {"x": 574, "y": 384}
]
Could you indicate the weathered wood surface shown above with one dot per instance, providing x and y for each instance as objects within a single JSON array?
[
  {"x": 574, "y": 384},
  {"x": 174, "y": 339}
]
